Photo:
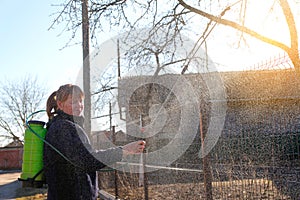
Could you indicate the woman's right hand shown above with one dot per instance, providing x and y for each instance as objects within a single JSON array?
[{"x": 136, "y": 147}]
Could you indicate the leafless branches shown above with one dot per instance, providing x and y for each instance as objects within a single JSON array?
[
  {"x": 292, "y": 49},
  {"x": 173, "y": 17},
  {"x": 156, "y": 30},
  {"x": 18, "y": 101}
]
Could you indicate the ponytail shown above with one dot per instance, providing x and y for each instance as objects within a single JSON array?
[{"x": 51, "y": 106}]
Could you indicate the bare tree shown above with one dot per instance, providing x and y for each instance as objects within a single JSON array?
[
  {"x": 18, "y": 100},
  {"x": 291, "y": 49},
  {"x": 177, "y": 17}
]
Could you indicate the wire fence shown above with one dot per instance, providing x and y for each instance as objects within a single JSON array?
[{"x": 256, "y": 157}]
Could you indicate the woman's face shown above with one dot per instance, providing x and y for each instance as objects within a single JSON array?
[{"x": 72, "y": 106}]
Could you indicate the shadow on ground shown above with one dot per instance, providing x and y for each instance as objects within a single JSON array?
[{"x": 11, "y": 188}]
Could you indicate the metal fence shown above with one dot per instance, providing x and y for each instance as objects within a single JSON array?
[{"x": 256, "y": 157}]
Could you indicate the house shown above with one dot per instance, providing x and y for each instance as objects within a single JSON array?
[
  {"x": 11, "y": 156},
  {"x": 105, "y": 139}
]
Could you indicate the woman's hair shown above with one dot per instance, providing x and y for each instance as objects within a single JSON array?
[{"x": 62, "y": 94}]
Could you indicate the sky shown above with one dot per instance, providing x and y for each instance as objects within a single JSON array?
[{"x": 29, "y": 48}]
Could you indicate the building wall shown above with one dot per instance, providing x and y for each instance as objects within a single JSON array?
[{"x": 11, "y": 158}]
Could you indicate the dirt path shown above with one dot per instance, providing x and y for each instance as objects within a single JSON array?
[{"x": 9, "y": 184}]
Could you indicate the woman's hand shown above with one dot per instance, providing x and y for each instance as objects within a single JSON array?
[{"x": 134, "y": 147}]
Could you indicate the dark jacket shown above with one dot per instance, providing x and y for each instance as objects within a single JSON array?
[{"x": 73, "y": 177}]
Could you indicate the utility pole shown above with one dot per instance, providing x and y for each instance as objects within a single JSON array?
[{"x": 86, "y": 67}]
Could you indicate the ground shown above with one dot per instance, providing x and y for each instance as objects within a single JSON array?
[
  {"x": 231, "y": 190},
  {"x": 11, "y": 188}
]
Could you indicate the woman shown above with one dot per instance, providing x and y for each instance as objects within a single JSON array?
[{"x": 70, "y": 163}]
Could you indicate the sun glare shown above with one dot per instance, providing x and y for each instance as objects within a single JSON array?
[{"x": 266, "y": 18}]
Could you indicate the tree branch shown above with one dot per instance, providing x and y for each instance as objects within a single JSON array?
[
  {"x": 294, "y": 50},
  {"x": 236, "y": 26}
]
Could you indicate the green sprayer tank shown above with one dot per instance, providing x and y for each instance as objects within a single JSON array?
[{"x": 33, "y": 151}]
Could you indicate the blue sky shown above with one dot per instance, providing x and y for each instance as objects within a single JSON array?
[{"x": 28, "y": 48}]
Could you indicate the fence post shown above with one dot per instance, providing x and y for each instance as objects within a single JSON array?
[
  {"x": 113, "y": 134},
  {"x": 206, "y": 165}
]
